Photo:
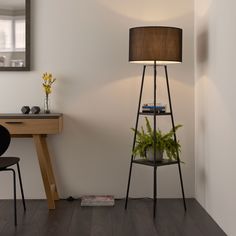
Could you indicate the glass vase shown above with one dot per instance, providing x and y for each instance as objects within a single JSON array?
[{"x": 47, "y": 105}]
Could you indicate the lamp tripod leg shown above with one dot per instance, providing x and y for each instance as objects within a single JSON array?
[
  {"x": 154, "y": 142},
  {"x": 135, "y": 134},
  {"x": 175, "y": 139},
  {"x": 155, "y": 192}
]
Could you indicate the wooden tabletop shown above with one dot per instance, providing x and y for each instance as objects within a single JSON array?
[{"x": 29, "y": 116}]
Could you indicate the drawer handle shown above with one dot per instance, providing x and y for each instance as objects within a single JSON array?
[{"x": 14, "y": 122}]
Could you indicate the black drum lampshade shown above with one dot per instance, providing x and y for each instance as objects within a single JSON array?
[{"x": 159, "y": 44}]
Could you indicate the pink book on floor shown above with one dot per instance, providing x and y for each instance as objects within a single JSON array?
[{"x": 94, "y": 200}]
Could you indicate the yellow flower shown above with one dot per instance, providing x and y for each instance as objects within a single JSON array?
[{"x": 48, "y": 81}]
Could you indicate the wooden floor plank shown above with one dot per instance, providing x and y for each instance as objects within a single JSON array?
[
  {"x": 24, "y": 219},
  {"x": 53, "y": 222},
  {"x": 70, "y": 219},
  {"x": 164, "y": 221},
  {"x": 123, "y": 222},
  {"x": 6, "y": 213},
  {"x": 101, "y": 221},
  {"x": 203, "y": 221},
  {"x": 81, "y": 222},
  {"x": 140, "y": 214},
  {"x": 181, "y": 219}
]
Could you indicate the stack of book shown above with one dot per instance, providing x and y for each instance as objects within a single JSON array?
[
  {"x": 150, "y": 108},
  {"x": 93, "y": 200}
]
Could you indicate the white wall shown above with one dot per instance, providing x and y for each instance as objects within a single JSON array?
[
  {"x": 216, "y": 110},
  {"x": 85, "y": 45}
]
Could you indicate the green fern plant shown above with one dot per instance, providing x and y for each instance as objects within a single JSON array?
[{"x": 164, "y": 142}]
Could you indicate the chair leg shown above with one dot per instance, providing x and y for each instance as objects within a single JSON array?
[
  {"x": 14, "y": 193},
  {"x": 21, "y": 186},
  {"x": 14, "y": 186}
]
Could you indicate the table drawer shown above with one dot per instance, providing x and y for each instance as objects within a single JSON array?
[{"x": 33, "y": 126}]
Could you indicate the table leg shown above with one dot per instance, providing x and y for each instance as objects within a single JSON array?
[
  {"x": 46, "y": 170},
  {"x": 49, "y": 168}
]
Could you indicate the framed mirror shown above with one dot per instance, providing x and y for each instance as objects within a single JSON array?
[{"x": 14, "y": 35}]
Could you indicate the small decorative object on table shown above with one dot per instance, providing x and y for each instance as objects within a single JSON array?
[
  {"x": 35, "y": 110},
  {"x": 25, "y": 109},
  {"x": 47, "y": 84}
]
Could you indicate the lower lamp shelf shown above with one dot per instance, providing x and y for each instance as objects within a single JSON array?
[{"x": 164, "y": 162}]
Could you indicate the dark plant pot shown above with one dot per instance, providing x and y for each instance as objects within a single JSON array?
[{"x": 150, "y": 155}]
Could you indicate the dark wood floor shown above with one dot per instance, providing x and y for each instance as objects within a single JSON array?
[{"x": 70, "y": 219}]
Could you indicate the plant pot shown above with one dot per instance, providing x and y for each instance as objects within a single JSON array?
[{"x": 150, "y": 154}]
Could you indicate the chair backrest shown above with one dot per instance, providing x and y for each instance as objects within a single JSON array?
[{"x": 5, "y": 139}]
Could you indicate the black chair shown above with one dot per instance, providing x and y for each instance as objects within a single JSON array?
[{"x": 6, "y": 162}]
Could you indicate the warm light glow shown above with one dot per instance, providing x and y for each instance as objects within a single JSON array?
[
  {"x": 149, "y": 11},
  {"x": 202, "y": 8},
  {"x": 157, "y": 62}
]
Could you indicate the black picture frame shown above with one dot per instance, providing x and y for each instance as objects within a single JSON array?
[{"x": 27, "y": 46}]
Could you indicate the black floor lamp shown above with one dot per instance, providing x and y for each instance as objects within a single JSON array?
[{"x": 155, "y": 46}]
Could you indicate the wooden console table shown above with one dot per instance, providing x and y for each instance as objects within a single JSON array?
[{"x": 37, "y": 126}]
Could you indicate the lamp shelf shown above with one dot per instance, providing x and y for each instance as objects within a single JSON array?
[
  {"x": 164, "y": 162},
  {"x": 157, "y": 114}
]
